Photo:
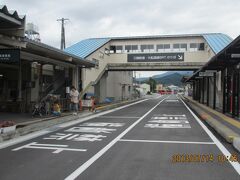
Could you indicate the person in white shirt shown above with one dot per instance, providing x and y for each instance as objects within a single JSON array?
[{"x": 74, "y": 95}]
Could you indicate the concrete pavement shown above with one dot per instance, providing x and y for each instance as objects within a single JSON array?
[{"x": 149, "y": 139}]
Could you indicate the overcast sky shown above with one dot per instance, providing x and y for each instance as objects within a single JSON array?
[{"x": 104, "y": 18}]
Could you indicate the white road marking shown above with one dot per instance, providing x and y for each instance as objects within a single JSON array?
[
  {"x": 23, "y": 138},
  {"x": 174, "y": 115},
  {"x": 76, "y": 137},
  {"x": 159, "y": 118},
  {"x": 172, "y": 100},
  {"x": 90, "y": 130},
  {"x": 67, "y": 124},
  {"x": 167, "y": 126},
  {"x": 57, "y": 147},
  {"x": 170, "y": 142},
  {"x": 119, "y": 117},
  {"x": 235, "y": 165},
  {"x": 88, "y": 163},
  {"x": 103, "y": 124},
  {"x": 169, "y": 121}
]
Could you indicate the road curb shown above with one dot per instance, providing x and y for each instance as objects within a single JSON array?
[
  {"x": 40, "y": 125},
  {"x": 46, "y": 123},
  {"x": 228, "y": 134},
  {"x": 236, "y": 143},
  {"x": 110, "y": 106}
]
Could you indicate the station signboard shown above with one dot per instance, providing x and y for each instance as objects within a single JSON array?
[
  {"x": 155, "y": 57},
  {"x": 9, "y": 56},
  {"x": 206, "y": 74}
]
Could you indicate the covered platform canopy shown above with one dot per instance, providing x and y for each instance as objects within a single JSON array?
[
  {"x": 12, "y": 35},
  {"x": 229, "y": 56},
  {"x": 11, "y": 22},
  {"x": 36, "y": 51}
]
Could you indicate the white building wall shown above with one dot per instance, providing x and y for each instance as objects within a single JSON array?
[{"x": 119, "y": 85}]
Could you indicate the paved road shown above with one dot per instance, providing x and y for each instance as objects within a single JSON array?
[{"x": 152, "y": 139}]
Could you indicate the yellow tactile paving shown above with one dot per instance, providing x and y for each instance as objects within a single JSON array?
[{"x": 222, "y": 116}]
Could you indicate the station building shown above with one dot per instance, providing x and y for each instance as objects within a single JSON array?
[
  {"x": 118, "y": 57},
  {"x": 217, "y": 83},
  {"x": 30, "y": 70}
]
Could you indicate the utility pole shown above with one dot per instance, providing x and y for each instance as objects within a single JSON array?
[
  {"x": 62, "y": 33},
  {"x": 67, "y": 80}
]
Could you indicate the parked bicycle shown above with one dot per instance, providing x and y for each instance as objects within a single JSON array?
[{"x": 39, "y": 109}]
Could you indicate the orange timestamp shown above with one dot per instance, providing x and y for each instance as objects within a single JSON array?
[{"x": 204, "y": 158}]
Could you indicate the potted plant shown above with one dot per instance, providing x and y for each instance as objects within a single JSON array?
[{"x": 7, "y": 127}]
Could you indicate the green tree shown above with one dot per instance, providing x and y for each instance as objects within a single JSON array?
[{"x": 153, "y": 83}]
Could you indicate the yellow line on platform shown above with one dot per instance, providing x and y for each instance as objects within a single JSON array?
[
  {"x": 109, "y": 105},
  {"x": 222, "y": 116}
]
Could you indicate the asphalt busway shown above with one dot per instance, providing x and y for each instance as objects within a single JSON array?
[{"x": 158, "y": 138}]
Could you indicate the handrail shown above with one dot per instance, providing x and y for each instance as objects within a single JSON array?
[{"x": 93, "y": 82}]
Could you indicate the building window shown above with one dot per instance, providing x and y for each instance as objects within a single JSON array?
[
  {"x": 112, "y": 49},
  {"x": 129, "y": 89},
  {"x": 176, "y": 47},
  {"x": 180, "y": 47},
  {"x": 96, "y": 63},
  {"x": 197, "y": 46},
  {"x": 116, "y": 49},
  {"x": 163, "y": 47},
  {"x": 131, "y": 48},
  {"x": 201, "y": 47},
  {"x": 119, "y": 49},
  {"x": 128, "y": 48},
  {"x": 183, "y": 47},
  {"x": 134, "y": 48},
  {"x": 193, "y": 46},
  {"x": 147, "y": 48}
]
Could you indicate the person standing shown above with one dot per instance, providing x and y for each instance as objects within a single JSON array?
[
  {"x": 74, "y": 95},
  {"x": 93, "y": 104}
]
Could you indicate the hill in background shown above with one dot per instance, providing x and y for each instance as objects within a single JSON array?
[{"x": 168, "y": 78}]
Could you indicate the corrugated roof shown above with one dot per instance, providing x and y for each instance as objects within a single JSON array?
[
  {"x": 86, "y": 47},
  {"x": 11, "y": 13},
  {"x": 52, "y": 52},
  {"x": 216, "y": 63},
  {"x": 217, "y": 42}
]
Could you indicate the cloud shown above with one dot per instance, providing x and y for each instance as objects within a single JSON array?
[{"x": 103, "y": 18}]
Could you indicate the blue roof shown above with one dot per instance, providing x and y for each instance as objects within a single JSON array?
[
  {"x": 217, "y": 41},
  {"x": 86, "y": 47}
]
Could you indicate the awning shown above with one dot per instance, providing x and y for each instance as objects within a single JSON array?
[
  {"x": 11, "y": 24},
  {"x": 52, "y": 55}
]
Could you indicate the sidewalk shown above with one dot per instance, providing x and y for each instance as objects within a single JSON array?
[
  {"x": 226, "y": 126},
  {"x": 26, "y": 124}
]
